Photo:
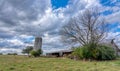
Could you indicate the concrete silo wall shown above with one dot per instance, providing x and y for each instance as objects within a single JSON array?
[{"x": 38, "y": 43}]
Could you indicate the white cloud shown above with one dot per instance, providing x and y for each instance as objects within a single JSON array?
[
  {"x": 15, "y": 42},
  {"x": 10, "y": 50},
  {"x": 92, "y": 3},
  {"x": 118, "y": 27},
  {"x": 115, "y": 17}
]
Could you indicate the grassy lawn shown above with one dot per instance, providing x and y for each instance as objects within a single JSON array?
[{"x": 23, "y": 63}]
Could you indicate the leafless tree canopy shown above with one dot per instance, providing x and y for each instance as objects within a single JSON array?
[{"x": 88, "y": 27}]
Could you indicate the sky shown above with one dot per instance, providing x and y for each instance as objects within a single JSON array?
[{"x": 22, "y": 20}]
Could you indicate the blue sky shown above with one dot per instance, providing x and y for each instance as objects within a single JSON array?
[
  {"x": 22, "y": 20},
  {"x": 59, "y": 3},
  {"x": 109, "y": 2}
]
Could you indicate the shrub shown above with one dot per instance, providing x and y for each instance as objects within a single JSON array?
[
  {"x": 78, "y": 52},
  {"x": 1, "y": 54},
  {"x": 105, "y": 53},
  {"x": 100, "y": 52},
  {"x": 36, "y": 53},
  {"x": 84, "y": 52},
  {"x": 39, "y": 51}
]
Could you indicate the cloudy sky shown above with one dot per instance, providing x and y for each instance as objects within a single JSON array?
[{"x": 22, "y": 20}]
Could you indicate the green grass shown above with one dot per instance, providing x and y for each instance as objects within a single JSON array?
[{"x": 24, "y": 63}]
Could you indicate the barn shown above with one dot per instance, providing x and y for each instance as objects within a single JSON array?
[{"x": 59, "y": 53}]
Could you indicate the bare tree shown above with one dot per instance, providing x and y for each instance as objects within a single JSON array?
[{"x": 88, "y": 27}]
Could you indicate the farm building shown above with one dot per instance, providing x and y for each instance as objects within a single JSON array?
[{"x": 59, "y": 53}]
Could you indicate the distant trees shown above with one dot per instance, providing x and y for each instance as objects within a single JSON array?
[
  {"x": 88, "y": 27},
  {"x": 27, "y": 50},
  {"x": 12, "y": 54}
]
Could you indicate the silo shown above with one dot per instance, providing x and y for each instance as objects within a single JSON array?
[{"x": 37, "y": 43}]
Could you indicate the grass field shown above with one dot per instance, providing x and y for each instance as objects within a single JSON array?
[{"x": 23, "y": 63}]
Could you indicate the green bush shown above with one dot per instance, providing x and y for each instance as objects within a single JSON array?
[
  {"x": 100, "y": 52},
  {"x": 105, "y": 53},
  {"x": 36, "y": 53},
  {"x": 84, "y": 52},
  {"x": 39, "y": 51},
  {"x": 78, "y": 52},
  {"x": 1, "y": 54}
]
